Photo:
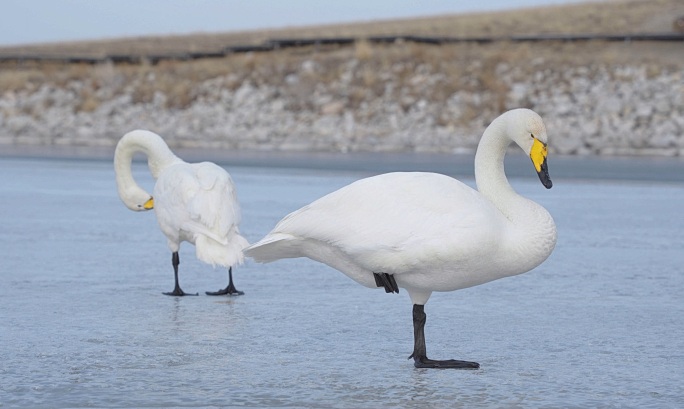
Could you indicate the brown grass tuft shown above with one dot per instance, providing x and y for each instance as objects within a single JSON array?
[{"x": 363, "y": 50}]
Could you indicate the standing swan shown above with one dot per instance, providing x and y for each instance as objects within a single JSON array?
[
  {"x": 428, "y": 232},
  {"x": 194, "y": 202}
]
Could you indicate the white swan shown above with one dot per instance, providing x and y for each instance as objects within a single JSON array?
[
  {"x": 428, "y": 232},
  {"x": 194, "y": 202}
]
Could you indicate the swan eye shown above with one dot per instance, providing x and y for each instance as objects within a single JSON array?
[{"x": 532, "y": 135}]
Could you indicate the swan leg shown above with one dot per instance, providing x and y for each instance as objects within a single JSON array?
[
  {"x": 230, "y": 290},
  {"x": 419, "y": 354},
  {"x": 387, "y": 281},
  {"x": 177, "y": 291}
]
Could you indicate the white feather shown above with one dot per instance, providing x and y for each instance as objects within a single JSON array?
[
  {"x": 196, "y": 203},
  {"x": 432, "y": 232}
]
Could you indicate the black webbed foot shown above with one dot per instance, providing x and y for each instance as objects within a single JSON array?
[
  {"x": 419, "y": 355},
  {"x": 387, "y": 281},
  {"x": 230, "y": 290},
  {"x": 425, "y": 362},
  {"x": 179, "y": 293}
]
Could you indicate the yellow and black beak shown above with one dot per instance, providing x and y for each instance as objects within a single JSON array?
[
  {"x": 149, "y": 204},
  {"x": 538, "y": 156}
]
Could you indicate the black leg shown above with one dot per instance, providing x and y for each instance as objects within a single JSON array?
[
  {"x": 175, "y": 260},
  {"x": 419, "y": 354},
  {"x": 230, "y": 290}
]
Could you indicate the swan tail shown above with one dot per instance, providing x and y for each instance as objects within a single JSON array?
[
  {"x": 212, "y": 252},
  {"x": 273, "y": 247}
]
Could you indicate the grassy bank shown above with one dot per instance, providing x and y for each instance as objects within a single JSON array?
[
  {"x": 439, "y": 89},
  {"x": 464, "y": 66}
]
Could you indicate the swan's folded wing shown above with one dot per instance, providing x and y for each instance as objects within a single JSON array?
[
  {"x": 212, "y": 201},
  {"x": 399, "y": 220}
]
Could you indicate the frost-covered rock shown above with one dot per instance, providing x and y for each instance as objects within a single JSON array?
[{"x": 588, "y": 110}]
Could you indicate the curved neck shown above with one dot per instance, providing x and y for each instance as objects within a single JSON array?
[
  {"x": 158, "y": 154},
  {"x": 530, "y": 233},
  {"x": 490, "y": 176},
  {"x": 532, "y": 229}
]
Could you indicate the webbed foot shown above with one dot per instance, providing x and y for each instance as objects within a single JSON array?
[
  {"x": 177, "y": 292},
  {"x": 230, "y": 290},
  {"x": 425, "y": 362}
]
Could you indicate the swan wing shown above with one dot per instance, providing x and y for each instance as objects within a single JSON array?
[
  {"x": 395, "y": 221},
  {"x": 198, "y": 199},
  {"x": 213, "y": 203}
]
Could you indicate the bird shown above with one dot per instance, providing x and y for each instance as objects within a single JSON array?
[
  {"x": 194, "y": 202},
  {"x": 427, "y": 232}
]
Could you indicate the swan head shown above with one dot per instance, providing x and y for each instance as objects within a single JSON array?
[
  {"x": 527, "y": 129},
  {"x": 159, "y": 156},
  {"x": 136, "y": 199}
]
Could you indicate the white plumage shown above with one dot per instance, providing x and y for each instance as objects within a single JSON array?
[
  {"x": 194, "y": 202},
  {"x": 428, "y": 232}
]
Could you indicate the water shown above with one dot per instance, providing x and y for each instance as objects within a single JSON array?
[{"x": 84, "y": 323}]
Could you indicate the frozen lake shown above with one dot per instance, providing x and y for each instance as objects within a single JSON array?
[{"x": 84, "y": 323}]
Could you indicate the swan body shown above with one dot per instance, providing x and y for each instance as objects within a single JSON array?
[
  {"x": 428, "y": 232},
  {"x": 194, "y": 202}
]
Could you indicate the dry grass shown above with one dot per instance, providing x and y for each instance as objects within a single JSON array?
[
  {"x": 363, "y": 50},
  {"x": 367, "y": 71},
  {"x": 610, "y": 16}
]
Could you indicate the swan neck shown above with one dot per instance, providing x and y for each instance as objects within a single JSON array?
[
  {"x": 158, "y": 155},
  {"x": 532, "y": 229},
  {"x": 490, "y": 176}
]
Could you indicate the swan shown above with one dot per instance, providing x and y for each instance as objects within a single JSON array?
[
  {"x": 194, "y": 202},
  {"x": 426, "y": 232}
]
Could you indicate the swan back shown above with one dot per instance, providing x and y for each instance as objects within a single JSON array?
[
  {"x": 431, "y": 231},
  {"x": 197, "y": 203}
]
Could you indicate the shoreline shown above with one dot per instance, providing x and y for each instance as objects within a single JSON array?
[{"x": 591, "y": 168}]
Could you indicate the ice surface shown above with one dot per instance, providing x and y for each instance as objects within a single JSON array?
[{"x": 84, "y": 323}]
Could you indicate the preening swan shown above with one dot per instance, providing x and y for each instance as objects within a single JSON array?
[
  {"x": 194, "y": 202},
  {"x": 428, "y": 232}
]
